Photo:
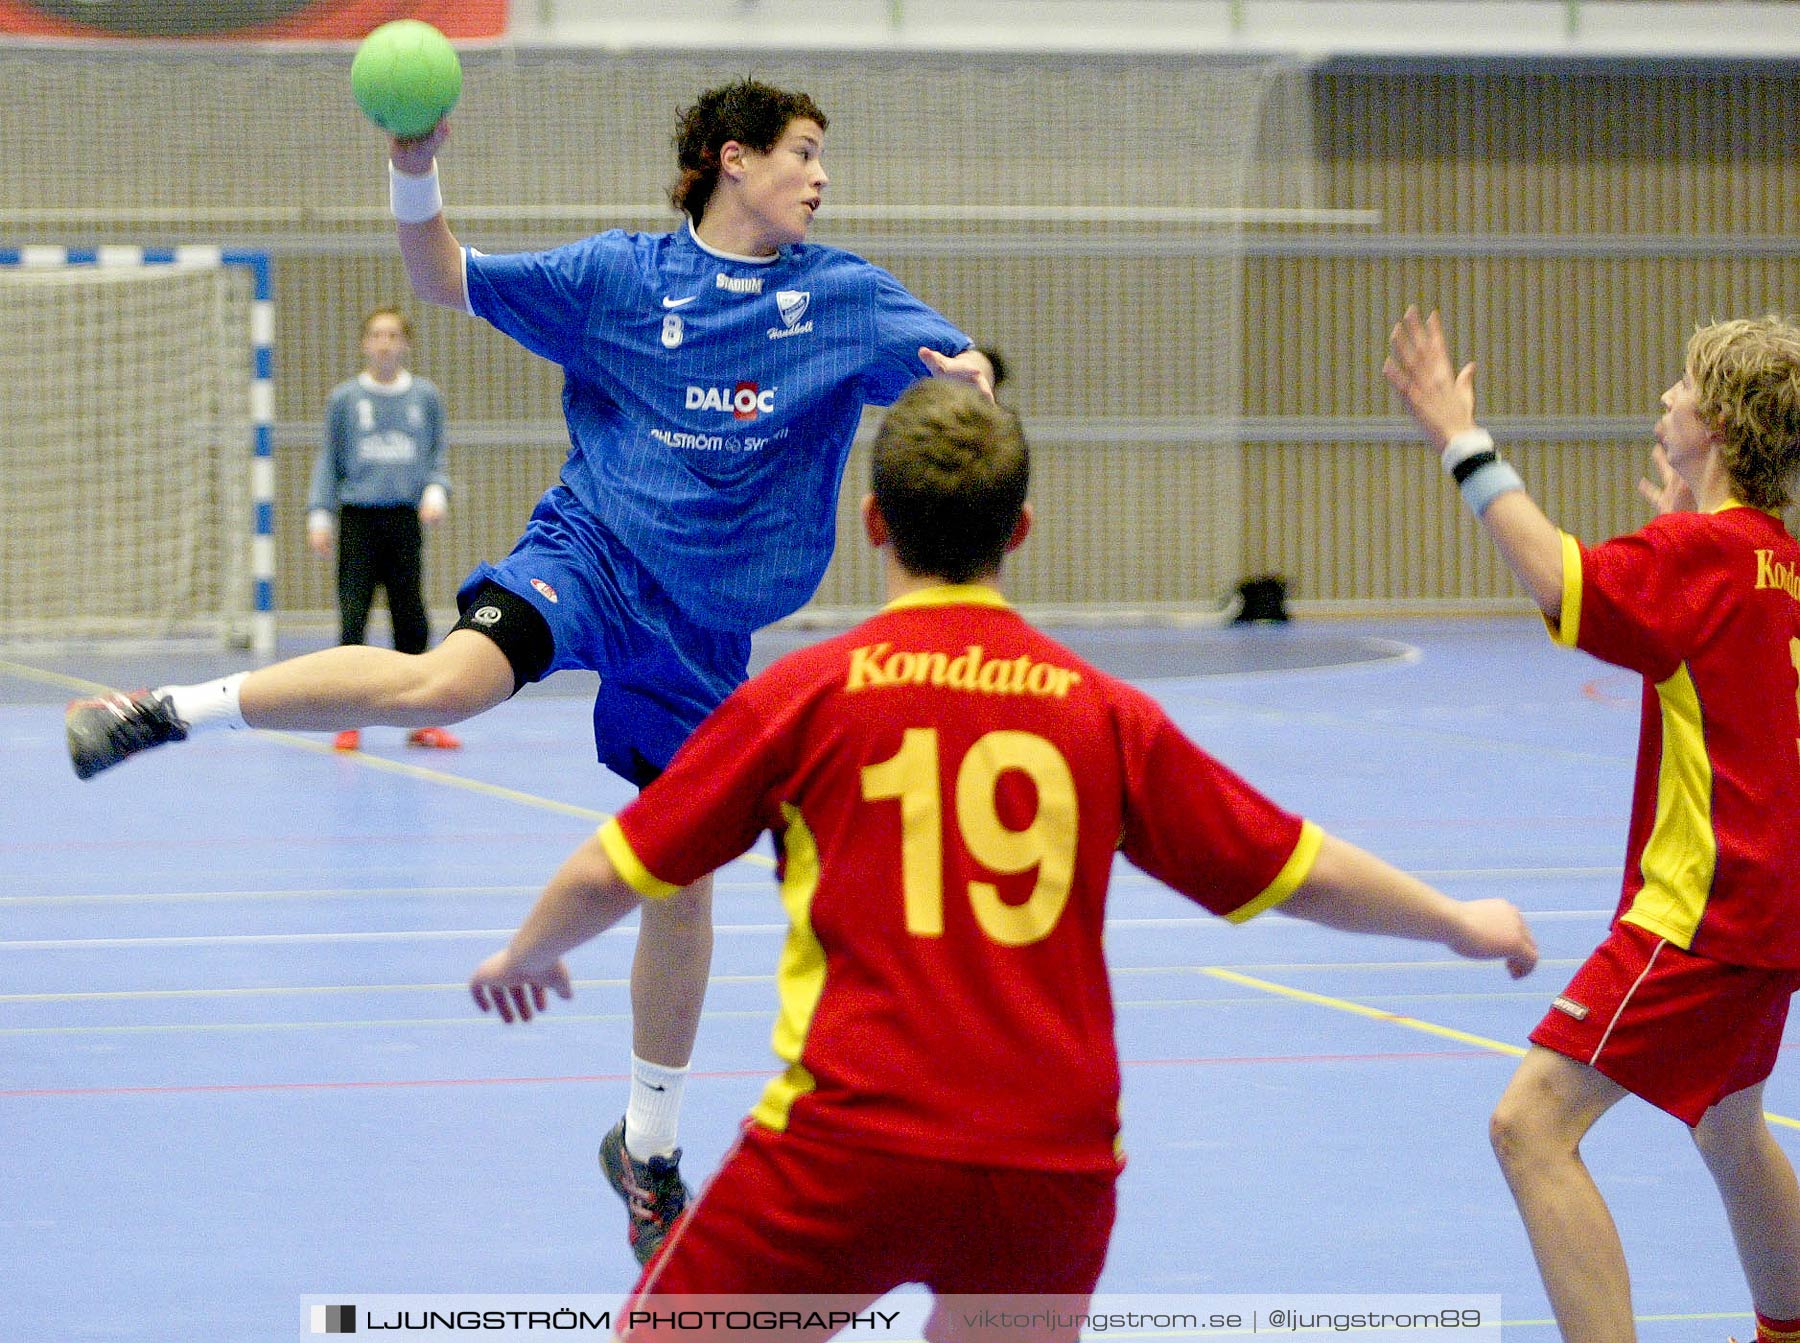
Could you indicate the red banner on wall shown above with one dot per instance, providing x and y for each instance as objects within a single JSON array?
[{"x": 251, "y": 20}]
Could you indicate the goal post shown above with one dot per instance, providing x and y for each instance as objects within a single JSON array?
[{"x": 137, "y": 452}]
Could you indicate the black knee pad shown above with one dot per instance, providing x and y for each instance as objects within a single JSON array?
[{"x": 517, "y": 628}]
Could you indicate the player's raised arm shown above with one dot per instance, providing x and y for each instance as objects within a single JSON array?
[
  {"x": 433, "y": 257},
  {"x": 1443, "y": 402},
  {"x": 406, "y": 77},
  {"x": 1357, "y": 892}
]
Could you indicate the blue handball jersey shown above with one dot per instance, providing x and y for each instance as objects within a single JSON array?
[{"x": 712, "y": 399}]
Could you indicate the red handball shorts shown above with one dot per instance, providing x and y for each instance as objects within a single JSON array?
[
  {"x": 801, "y": 1225},
  {"x": 1682, "y": 1031}
]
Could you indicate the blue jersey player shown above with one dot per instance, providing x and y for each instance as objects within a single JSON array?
[{"x": 715, "y": 376}]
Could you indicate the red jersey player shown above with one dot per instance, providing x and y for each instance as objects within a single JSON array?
[
  {"x": 1684, "y": 1002},
  {"x": 947, "y": 787}
]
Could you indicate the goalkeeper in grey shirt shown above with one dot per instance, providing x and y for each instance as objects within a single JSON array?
[{"x": 379, "y": 480}]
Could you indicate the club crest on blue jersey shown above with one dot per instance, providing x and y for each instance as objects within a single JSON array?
[{"x": 793, "y": 305}]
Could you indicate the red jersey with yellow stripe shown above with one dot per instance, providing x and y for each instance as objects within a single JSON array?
[
  {"x": 1706, "y": 607},
  {"x": 947, "y": 787}
]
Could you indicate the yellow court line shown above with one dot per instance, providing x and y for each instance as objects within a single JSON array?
[
  {"x": 426, "y": 775},
  {"x": 1361, "y": 1010},
  {"x": 1398, "y": 1019},
  {"x": 51, "y": 678},
  {"x": 376, "y": 762}
]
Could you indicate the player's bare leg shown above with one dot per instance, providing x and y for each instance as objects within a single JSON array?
[
  {"x": 1537, "y": 1128},
  {"x": 349, "y": 686},
  {"x": 668, "y": 991},
  {"x": 669, "y": 974},
  {"x": 354, "y": 685},
  {"x": 1762, "y": 1199}
]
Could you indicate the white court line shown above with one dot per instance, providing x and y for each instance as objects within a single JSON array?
[
  {"x": 1342, "y": 723},
  {"x": 271, "y": 939},
  {"x": 300, "y": 990},
  {"x": 1125, "y": 877},
  {"x": 321, "y": 893},
  {"x": 473, "y": 1018},
  {"x": 311, "y": 893},
  {"x": 1512, "y": 873},
  {"x": 461, "y": 934}
]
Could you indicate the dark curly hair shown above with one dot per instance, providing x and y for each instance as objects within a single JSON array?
[{"x": 748, "y": 111}]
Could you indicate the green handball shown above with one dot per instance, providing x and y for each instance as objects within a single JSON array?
[{"x": 406, "y": 77}]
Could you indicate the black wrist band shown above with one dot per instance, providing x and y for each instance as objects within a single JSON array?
[{"x": 1469, "y": 465}]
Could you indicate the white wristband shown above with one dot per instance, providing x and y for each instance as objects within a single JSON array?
[
  {"x": 320, "y": 522},
  {"x": 1465, "y": 445},
  {"x": 415, "y": 200},
  {"x": 1487, "y": 484}
]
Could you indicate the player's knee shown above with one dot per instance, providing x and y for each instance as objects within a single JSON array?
[
  {"x": 1728, "y": 1142},
  {"x": 515, "y": 628},
  {"x": 456, "y": 680},
  {"x": 1516, "y": 1129},
  {"x": 1715, "y": 1149},
  {"x": 453, "y": 693},
  {"x": 1506, "y": 1132},
  {"x": 688, "y": 918}
]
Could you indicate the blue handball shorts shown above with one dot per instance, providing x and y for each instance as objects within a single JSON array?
[{"x": 660, "y": 673}]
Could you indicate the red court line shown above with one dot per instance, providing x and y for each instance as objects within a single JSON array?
[{"x": 200, "y": 1088}]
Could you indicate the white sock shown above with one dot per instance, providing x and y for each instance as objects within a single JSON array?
[
  {"x": 208, "y": 706},
  {"x": 654, "y": 1113}
]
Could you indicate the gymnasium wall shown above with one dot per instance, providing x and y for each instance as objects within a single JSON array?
[
  {"x": 1574, "y": 223},
  {"x": 1077, "y": 213}
]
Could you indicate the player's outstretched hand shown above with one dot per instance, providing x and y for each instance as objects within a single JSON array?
[
  {"x": 1418, "y": 367},
  {"x": 1495, "y": 930},
  {"x": 1668, "y": 493},
  {"x": 971, "y": 366},
  {"x": 514, "y": 991},
  {"x": 414, "y": 156}
]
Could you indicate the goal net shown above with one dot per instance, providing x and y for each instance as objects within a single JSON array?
[{"x": 125, "y": 457}]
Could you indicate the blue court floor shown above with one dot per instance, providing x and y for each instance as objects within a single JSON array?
[{"x": 239, "y": 1066}]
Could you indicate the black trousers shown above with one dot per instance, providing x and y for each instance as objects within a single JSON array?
[{"x": 381, "y": 548}]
